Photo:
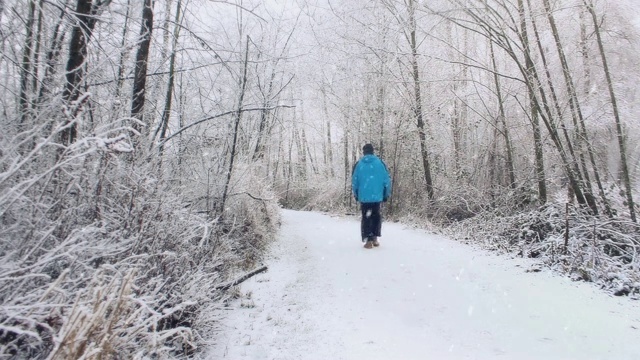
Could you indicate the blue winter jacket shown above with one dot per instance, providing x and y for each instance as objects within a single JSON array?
[{"x": 370, "y": 181}]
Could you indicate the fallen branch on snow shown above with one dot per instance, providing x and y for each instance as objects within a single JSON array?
[{"x": 242, "y": 278}]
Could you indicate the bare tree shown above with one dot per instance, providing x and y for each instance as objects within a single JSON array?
[
  {"x": 616, "y": 114},
  {"x": 411, "y": 37},
  {"x": 236, "y": 126},
  {"x": 574, "y": 104},
  {"x": 269, "y": 96},
  {"x": 502, "y": 122},
  {"x": 166, "y": 113},
  {"x": 328, "y": 143},
  {"x": 535, "y": 121}
]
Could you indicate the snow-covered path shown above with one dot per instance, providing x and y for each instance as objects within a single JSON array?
[{"x": 418, "y": 296}]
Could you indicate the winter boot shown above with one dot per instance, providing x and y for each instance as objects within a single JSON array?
[
  {"x": 368, "y": 244},
  {"x": 375, "y": 241}
]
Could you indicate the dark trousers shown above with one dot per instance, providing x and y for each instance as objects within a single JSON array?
[{"x": 371, "y": 222}]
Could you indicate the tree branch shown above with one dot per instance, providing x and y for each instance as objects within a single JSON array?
[
  {"x": 221, "y": 115},
  {"x": 243, "y": 278}
]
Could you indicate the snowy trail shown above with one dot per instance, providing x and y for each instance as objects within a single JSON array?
[{"x": 418, "y": 296}]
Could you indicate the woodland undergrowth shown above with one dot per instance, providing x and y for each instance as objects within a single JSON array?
[
  {"x": 100, "y": 258},
  {"x": 563, "y": 237}
]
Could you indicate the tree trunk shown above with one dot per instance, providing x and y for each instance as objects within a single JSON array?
[
  {"x": 290, "y": 172},
  {"x": 142, "y": 56},
  {"x": 80, "y": 36},
  {"x": 182, "y": 101},
  {"x": 276, "y": 162},
  {"x": 35, "y": 78},
  {"x": 381, "y": 117},
  {"x": 298, "y": 136},
  {"x": 330, "y": 150},
  {"x": 123, "y": 51},
  {"x": 539, "y": 152},
  {"x": 165, "y": 27},
  {"x": 25, "y": 73},
  {"x": 614, "y": 104},
  {"x": 584, "y": 50},
  {"x": 533, "y": 86},
  {"x": 492, "y": 163},
  {"x": 556, "y": 104},
  {"x": 307, "y": 150},
  {"x": 395, "y": 183},
  {"x": 347, "y": 173},
  {"x": 503, "y": 121},
  {"x": 495, "y": 33},
  {"x": 238, "y": 117},
  {"x": 53, "y": 53},
  {"x": 535, "y": 121},
  {"x": 258, "y": 152},
  {"x": 456, "y": 133},
  {"x": 166, "y": 113},
  {"x": 418, "y": 102},
  {"x": 578, "y": 117},
  {"x": 329, "y": 146}
]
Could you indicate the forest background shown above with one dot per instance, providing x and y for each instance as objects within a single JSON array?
[{"x": 146, "y": 147}]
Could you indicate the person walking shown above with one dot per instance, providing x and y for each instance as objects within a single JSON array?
[{"x": 371, "y": 185}]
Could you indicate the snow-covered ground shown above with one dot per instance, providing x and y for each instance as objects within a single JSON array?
[{"x": 418, "y": 296}]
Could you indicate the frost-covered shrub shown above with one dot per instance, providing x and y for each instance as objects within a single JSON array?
[
  {"x": 316, "y": 192},
  {"x": 598, "y": 249},
  {"x": 327, "y": 196},
  {"x": 252, "y": 214},
  {"x": 102, "y": 258}
]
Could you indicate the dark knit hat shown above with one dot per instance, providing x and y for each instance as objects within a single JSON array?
[{"x": 367, "y": 149}]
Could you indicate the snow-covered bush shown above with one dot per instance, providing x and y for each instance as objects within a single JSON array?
[
  {"x": 327, "y": 196},
  {"x": 102, "y": 258},
  {"x": 591, "y": 248},
  {"x": 252, "y": 209}
]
